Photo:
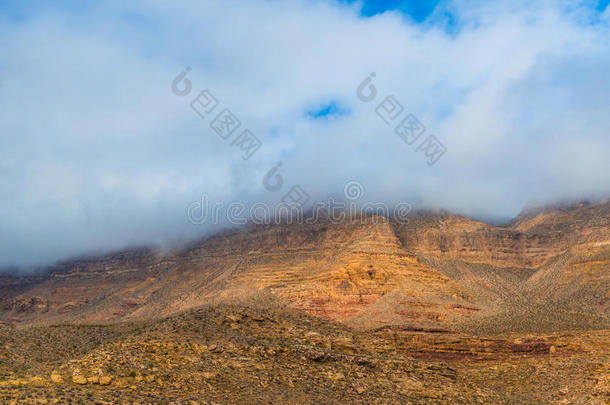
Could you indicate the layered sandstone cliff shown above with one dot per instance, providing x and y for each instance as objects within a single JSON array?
[{"x": 437, "y": 272}]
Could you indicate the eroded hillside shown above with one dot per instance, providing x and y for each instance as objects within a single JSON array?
[{"x": 438, "y": 272}]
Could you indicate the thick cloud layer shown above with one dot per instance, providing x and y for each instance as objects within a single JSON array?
[{"x": 98, "y": 153}]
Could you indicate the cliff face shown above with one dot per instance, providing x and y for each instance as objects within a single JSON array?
[
  {"x": 529, "y": 242},
  {"x": 438, "y": 272},
  {"x": 461, "y": 238}
]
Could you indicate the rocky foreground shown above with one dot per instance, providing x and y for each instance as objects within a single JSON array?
[{"x": 253, "y": 354}]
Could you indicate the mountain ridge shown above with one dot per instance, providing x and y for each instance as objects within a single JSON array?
[{"x": 437, "y": 271}]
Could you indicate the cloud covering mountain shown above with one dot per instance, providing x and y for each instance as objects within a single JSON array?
[{"x": 97, "y": 152}]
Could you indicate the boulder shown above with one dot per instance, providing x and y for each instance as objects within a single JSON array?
[
  {"x": 105, "y": 380},
  {"x": 79, "y": 379}
]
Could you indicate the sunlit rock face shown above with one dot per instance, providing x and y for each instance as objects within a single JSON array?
[{"x": 439, "y": 271}]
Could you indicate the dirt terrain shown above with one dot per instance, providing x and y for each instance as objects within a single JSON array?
[{"x": 252, "y": 354}]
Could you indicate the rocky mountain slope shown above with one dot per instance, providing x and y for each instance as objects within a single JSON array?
[
  {"x": 439, "y": 271},
  {"x": 442, "y": 309}
]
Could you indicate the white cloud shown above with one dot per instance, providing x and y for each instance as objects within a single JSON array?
[{"x": 97, "y": 153}]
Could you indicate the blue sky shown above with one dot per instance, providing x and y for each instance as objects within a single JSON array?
[
  {"x": 97, "y": 153},
  {"x": 327, "y": 109},
  {"x": 602, "y": 5},
  {"x": 418, "y": 10}
]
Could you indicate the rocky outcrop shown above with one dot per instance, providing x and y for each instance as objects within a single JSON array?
[{"x": 27, "y": 305}]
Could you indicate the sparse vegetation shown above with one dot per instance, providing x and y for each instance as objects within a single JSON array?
[{"x": 238, "y": 354}]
